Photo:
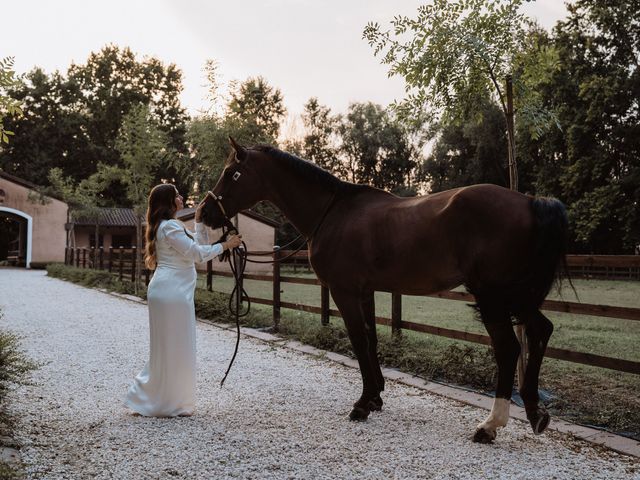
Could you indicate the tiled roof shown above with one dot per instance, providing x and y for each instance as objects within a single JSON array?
[{"x": 110, "y": 217}]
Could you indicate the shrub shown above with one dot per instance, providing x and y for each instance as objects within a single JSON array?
[{"x": 14, "y": 364}]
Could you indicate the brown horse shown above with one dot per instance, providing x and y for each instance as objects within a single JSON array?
[{"x": 505, "y": 247}]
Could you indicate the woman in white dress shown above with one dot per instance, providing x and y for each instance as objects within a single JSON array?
[{"x": 166, "y": 385}]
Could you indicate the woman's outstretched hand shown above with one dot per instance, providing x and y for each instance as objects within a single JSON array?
[{"x": 232, "y": 242}]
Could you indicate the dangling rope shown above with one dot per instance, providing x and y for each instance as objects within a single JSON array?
[{"x": 237, "y": 260}]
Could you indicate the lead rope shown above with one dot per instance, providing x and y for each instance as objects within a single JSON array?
[{"x": 237, "y": 262}]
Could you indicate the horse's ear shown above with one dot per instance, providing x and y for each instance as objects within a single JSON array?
[{"x": 240, "y": 151}]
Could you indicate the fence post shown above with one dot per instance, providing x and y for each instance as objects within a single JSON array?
[
  {"x": 134, "y": 258},
  {"x": 276, "y": 289},
  {"x": 396, "y": 313},
  {"x": 92, "y": 257},
  {"x": 121, "y": 264},
  {"x": 324, "y": 305},
  {"x": 210, "y": 275},
  {"x": 84, "y": 257},
  {"x": 110, "y": 268},
  {"x": 101, "y": 264},
  {"x": 77, "y": 251}
]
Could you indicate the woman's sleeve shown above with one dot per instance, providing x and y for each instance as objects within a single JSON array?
[
  {"x": 202, "y": 235},
  {"x": 177, "y": 237}
]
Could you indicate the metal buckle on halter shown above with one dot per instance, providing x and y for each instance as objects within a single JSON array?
[{"x": 236, "y": 176}]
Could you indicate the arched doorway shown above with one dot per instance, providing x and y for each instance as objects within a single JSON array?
[{"x": 16, "y": 229}]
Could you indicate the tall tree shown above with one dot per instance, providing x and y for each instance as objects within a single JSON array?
[
  {"x": 82, "y": 199},
  {"x": 143, "y": 146},
  {"x": 468, "y": 151},
  {"x": 594, "y": 163},
  {"x": 255, "y": 111},
  {"x": 72, "y": 121},
  {"x": 456, "y": 51},
  {"x": 376, "y": 149},
  {"x": 319, "y": 143}
]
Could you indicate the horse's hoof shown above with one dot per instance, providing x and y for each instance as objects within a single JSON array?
[
  {"x": 358, "y": 414},
  {"x": 375, "y": 404},
  {"x": 539, "y": 420},
  {"x": 484, "y": 436}
]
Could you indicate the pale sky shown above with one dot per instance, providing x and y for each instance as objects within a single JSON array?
[{"x": 305, "y": 48}]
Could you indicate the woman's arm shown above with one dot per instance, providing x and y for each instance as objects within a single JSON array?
[
  {"x": 177, "y": 237},
  {"x": 202, "y": 234}
]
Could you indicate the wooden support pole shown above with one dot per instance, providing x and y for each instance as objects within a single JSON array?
[
  {"x": 120, "y": 263},
  {"x": 133, "y": 263},
  {"x": 325, "y": 315},
  {"x": 276, "y": 290},
  {"x": 396, "y": 313}
]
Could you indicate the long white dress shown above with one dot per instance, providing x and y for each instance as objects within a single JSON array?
[{"x": 166, "y": 385}]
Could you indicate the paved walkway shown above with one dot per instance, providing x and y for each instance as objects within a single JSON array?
[{"x": 281, "y": 414}]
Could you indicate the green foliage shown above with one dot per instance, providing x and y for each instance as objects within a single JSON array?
[
  {"x": 376, "y": 148},
  {"x": 593, "y": 164},
  {"x": 143, "y": 146},
  {"x": 93, "y": 279},
  {"x": 255, "y": 111},
  {"x": 252, "y": 115},
  {"x": 14, "y": 364},
  {"x": 319, "y": 144},
  {"x": 72, "y": 121},
  {"x": 8, "y": 105},
  {"x": 451, "y": 52},
  {"x": 468, "y": 151}
]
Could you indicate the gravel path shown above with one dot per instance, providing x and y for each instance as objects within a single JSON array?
[{"x": 281, "y": 414}]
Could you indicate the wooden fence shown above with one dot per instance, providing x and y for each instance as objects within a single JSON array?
[
  {"x": 608, "y": 267},
  {"x": 121, "y": 261},
  {"x": 397, "y": 324}
]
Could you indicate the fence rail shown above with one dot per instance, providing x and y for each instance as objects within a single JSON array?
[
  {"x": 609, "y": 267},
  {"x": 122, "y": 262},
  {"x": 118, "y": 260},
  {"x": 397, "y": 324}
]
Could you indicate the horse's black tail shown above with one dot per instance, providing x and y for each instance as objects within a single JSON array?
[{"x": 550, "y": 247}]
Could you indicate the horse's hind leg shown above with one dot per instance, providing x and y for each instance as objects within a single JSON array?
[
  {"x": 369, "y": 311},
  {"x": 350, "y": 305},
  {"x": 539, "y": 328},
  {"x": 506, "y": 350}
]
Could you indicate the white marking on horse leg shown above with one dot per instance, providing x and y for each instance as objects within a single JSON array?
[{"x": 498, "y": 417}]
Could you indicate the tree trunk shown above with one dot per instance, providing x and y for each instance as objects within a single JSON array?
[
  {"x": 511, "y": 138},
  {"x": 513, "y": 184}
]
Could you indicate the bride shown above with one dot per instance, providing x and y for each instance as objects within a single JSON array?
[{"x": 166, "y": 385}]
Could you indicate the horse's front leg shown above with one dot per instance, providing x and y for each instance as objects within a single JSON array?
[
  {"x": 369, "y": 311},
  {"x": 350, "y": 304}
]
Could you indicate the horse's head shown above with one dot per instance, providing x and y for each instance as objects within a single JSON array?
[{"x": 239, "y": 187}]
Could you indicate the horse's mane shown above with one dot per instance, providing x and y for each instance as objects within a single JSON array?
[{"x": 304, "y": 167}]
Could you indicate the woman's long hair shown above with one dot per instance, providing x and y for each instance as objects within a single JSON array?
[{"x": 162, "y": 206}]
